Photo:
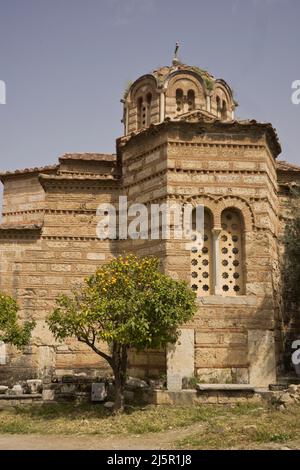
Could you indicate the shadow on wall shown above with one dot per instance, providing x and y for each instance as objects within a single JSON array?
[
  {"x": 290, "y": 275},
  {"x": 263, "y": 358},
  {"x": 242, "y": 348}
]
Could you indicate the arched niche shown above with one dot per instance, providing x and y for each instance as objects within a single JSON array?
[
  {"x": 142, "y": 104},
  {"x": 222, "y": 101},
  {"x": 184, "y": 92}
]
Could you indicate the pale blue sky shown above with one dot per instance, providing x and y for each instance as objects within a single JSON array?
[{"x": 67, "y": 62}]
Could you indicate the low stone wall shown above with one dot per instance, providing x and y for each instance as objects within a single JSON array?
[
  {"x": 69, "y": 389},
  {"x": 7, "y": 401},
  {"x": 282, "y": 399},
  {"x": 78, "y": 388},
  {"x": 81, "y": 388},
  {"x": 194, "y": 397}
]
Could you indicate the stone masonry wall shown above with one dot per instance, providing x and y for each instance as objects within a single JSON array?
[
  {"x": 234, "y": 336},
  {"x": 198, "y": 163}
]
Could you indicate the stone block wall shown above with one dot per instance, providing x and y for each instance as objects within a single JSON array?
[
  {"x": 218, "y": 165},
  {"x": 231, "y": 333}
]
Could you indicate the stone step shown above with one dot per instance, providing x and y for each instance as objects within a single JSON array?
[{"x": 225, "y": 387}]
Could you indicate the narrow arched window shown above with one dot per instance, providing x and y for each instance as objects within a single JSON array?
[
  {"x": 231, "y": 253},
  {"x": 179, "y": 100},
  {"x": 191, "y": 100},
  {"x": 218, "y": 101},
  {"x": 201, "y": 259},
  {"x": 224, "y": 110},
  {"x": 140, "y": 113},
  {"x": 148, "y": 108}
]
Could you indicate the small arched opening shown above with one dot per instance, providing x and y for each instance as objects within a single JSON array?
[
  {"x": 224, "y": 110},
  {"x": 140, "y": 113},
  {"x": 148, "y": 109},
  {"x": 179, "y": 100},
  {"x": 201, "y": 257},
  {"x": 232, "y": 252},
  {"x": 219, "y": 107},
  {"x": 191, "y": 100}
]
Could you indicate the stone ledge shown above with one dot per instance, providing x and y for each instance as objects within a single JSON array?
[
  {"x": 22, "y": 396},
  {"x": 194, "y": 397},
  {"x": 225, "y": 387},
  {"x": 250, "y": 300},
  {"x": 22, "y": 226}
]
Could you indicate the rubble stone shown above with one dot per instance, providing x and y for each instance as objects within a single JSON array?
[
  {"x": 17, "y": 390},
  {"x": 35, "y": 385},
  {"x": 109, "y": 404},
  {"x": 133, "y": 383}
]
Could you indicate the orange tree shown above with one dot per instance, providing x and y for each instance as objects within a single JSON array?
[
  {"x": 11, "y": 331},
  {"x": 127, "y": 303}
]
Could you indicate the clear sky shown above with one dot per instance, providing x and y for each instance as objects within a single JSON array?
[{"x": 66, "y": 63}]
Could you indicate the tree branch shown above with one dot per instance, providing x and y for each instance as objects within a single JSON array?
[{"x": 95, "y": 349}]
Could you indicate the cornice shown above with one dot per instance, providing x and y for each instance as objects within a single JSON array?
[
  {"x": 79, "y": 182},
  {"x": 135, "y": 158},
  {"x": 74, "y": 238},
  {"x": 181, "y": 143},
  {"x": 208, "y": 127},
  {"x": 29, "y": 171},
  {"x": 29, "y": 231}
]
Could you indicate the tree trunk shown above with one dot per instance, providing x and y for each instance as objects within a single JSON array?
[
  {"x": 119, "y": 396},
  {"x": 119, "y": 360}
]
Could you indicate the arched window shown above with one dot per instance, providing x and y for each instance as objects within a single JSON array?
[
  {"x": 140, "y": 113},
  {"x": 148, "y": 109},
  {"x": 201, "y": 259},
  {"x": 224, "y": 110},
  {"x": 191, "y": 100},
  {"x": 231, "y": 253},
  {"x": 179, "y": 100},
  {"x": 218, "y": 101}
]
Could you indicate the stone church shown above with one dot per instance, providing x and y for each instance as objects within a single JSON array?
[{"x": 181, "y": 143}]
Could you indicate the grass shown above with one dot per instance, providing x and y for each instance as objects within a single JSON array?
[
  {"x": 95, "y": 419},
  {"x": 213, "y": 427},
  {"x": 246, "y": 429}
]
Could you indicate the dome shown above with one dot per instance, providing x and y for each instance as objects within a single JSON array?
[{"x": 175, "y": 92}]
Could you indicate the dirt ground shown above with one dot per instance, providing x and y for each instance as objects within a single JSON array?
[
  {"x": 163, "y": 440},
  {"x": 88, "y": 427}
]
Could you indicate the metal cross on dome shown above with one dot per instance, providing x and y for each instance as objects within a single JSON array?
[{"x": 175, "y": 58}]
